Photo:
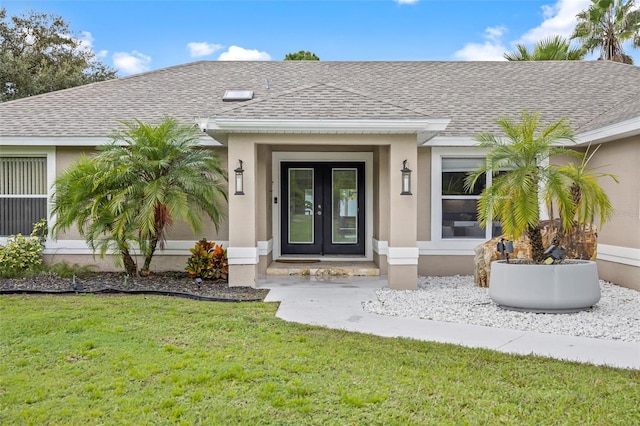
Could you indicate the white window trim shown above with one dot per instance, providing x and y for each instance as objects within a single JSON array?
[
  {"x": 40, "y": 151},
  {"x": 439, "y": 245}
]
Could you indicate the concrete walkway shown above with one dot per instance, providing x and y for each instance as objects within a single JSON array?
[{"x": 337, "y": 303}]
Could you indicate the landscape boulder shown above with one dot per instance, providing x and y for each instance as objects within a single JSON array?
[{"x": 580, "y": 243}]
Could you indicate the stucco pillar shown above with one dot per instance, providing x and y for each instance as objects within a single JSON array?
[
  {"x": 403, "y": 254},
  {"x": 243, "y": 249}
]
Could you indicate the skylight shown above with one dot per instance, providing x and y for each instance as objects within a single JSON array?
[{"x": 237, "y": 95}]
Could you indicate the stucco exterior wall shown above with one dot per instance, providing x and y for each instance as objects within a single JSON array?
[
  {"x": 381, "y": 197},
  {"x": 441, "y": 266},
  {"x": 424, "y": 195},
  {"x": 159, "y": 263},
  {"x": 621, "y": 158},
  {"x": 619, "y": 239},
  {"x": 617, "y": 273}
]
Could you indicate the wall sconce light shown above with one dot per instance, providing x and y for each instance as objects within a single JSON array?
[
  {"x": 239, "y": 180},
  {"x": 406, "y": 179}
]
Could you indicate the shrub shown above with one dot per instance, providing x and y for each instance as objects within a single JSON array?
[
  {"x": 23, "y": 255},
  {"x": 208, "y": 261}
]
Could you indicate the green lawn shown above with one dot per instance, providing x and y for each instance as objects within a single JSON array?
[{"x": 157, "y": 360}]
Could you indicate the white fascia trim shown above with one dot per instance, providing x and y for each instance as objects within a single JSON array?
[
  {"x": 171, "y": 248},
  {"x": 53, "y": 141},
  {"x": 452, "y": 141},
  {"x": 609, "y": 133},
  {"x": 380, "y": 247},
  {"x": 367, "y": 126},
  {"x": 24, "y": 141},
  {"x": 243, "y": 255},
  {"x": 265, "y": 247},
  {"x": 617, "y": 254},
  {"x": 402, "y": 255}
]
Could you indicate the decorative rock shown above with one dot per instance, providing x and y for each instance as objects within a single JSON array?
[
  {"x": 580, "y": 243},
  {"x": 456, "y": 299},
  {"x": 487, "y": 253}
]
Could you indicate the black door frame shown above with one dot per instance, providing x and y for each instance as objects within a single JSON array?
[{"x": 322, "y": 209}]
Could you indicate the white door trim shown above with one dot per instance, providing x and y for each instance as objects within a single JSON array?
[{"x": 367, "y": 157}]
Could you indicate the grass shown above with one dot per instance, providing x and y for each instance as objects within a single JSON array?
[{"x": 155, "y": 360}]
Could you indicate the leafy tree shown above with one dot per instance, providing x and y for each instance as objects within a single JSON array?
[
  {"x": 528, "y": 177},
  {"x": 550, "y": 49},
  {"x": 136, "y": 186},
  {"x": 39, "y": 54},
  {"x": 606, "y": 25},
  {"x": 302, "y": 55}
]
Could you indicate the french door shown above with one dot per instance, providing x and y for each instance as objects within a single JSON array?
[{"x": 322, "y": 208}]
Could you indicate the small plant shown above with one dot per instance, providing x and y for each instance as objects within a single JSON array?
[
  {"x": 22, "y": 256},
  {"x": 65, "y": 270},
  {"x": 208, "y": 261}
]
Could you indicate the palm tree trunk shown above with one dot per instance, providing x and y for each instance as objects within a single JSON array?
[
  {"x": 537, "y": 248},
  {"x": 144, "y": 272},
  {"x": 161, "y": 219},
  {"x": 129, "y": 264}
]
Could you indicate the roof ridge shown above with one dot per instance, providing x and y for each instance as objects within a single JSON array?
[
  {"x": 633, "y": 96},
  {"x": 314, "y": 85},
  {"x": 370, "y": 96},
  {"x": 266, "y": 98}
]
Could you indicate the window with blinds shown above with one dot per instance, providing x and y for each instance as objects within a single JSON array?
[{"x": 23, "y": 194}]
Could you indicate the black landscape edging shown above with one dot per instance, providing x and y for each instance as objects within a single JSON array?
[{"x": 114, "y": 291}]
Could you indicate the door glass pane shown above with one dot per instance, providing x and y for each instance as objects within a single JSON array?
[
  {"x": 301, "y": 206},
  {"x": 344, "y": 206}
]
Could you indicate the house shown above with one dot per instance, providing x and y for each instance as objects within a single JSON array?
[{"x": 325, "y": 150}]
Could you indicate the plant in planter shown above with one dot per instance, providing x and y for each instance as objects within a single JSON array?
[{"x": 525, "y": 181}]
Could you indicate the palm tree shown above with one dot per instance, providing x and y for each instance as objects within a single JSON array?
[
  {"x": 550, "y": 49},
  {"x": 138, "y": 185},
  {"x": 606, "y": 25},
  {"x": 528, "y": 177},
  {"x": 82, "y": 196}
]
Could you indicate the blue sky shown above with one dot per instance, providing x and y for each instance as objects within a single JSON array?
[{"x": 138, "y": 36}]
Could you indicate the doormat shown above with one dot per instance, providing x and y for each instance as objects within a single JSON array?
[{"x": 297, "y": 260}]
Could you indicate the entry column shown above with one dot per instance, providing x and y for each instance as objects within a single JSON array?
[
  {"x": 403, "y": 218},
  {"x": 242, "y": 252}
]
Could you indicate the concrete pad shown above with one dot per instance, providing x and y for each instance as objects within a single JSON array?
[{"x": 337, "y": 303}]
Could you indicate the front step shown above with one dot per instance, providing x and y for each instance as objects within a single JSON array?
[{"x": 339, "y": 269}]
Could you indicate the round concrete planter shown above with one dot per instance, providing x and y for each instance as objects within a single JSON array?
[{"x": 562, "y": 288}]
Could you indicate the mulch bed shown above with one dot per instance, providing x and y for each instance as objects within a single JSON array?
[{"x": 175, "y": 284}]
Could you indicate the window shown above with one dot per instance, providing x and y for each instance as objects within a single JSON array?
[
  {"x": 454, "y": 217},
  {"x": 23, "y": 193},
  {"x": 459, "y": 208}
]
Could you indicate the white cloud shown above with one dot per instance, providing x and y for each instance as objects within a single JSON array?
[
  {"x": 491, "y": 50},
  {"x": 559, "y": 19},
  {"x": 406, "y": 1},
  {"x": 85, "y": 44},
  {"x": 131, "y": 63},
  {"x": 85, "y": 41},
  {"x": 198, "y": 49},
  {"x": 236, "y": 53}
]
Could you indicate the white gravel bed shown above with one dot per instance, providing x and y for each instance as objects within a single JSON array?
[{"x": 457, "y": 299}]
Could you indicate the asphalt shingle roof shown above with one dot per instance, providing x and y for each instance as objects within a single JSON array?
[{"x": 591, "y": 94}]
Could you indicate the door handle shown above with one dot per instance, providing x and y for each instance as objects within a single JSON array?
[{"x": 319, "y": 211}]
